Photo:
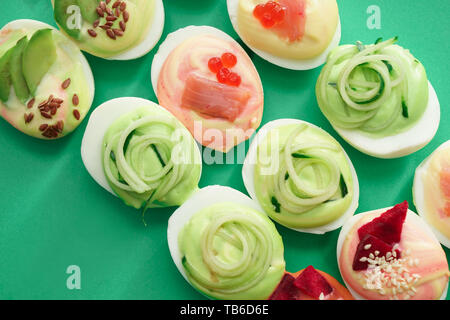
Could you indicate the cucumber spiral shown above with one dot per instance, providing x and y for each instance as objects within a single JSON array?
[
  {"x": 127, "y": 154},
  {"x": 360, "y": 82}
]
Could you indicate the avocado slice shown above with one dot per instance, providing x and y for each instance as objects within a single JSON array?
[
  {"x": 65, "y": 17},
  {"x": 38, "y": 57},
  {"x": 17, "y": 78},
  {"x": 5, "y": 76}
]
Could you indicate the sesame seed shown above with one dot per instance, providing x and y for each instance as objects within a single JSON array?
[{"x": 367, "y": 246}]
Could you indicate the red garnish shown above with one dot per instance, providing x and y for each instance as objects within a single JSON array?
[
  {"x": 233, "y": 79},
  {"x": 215, "y": 64},
  {"x": 388, "y": 226},
  {"x": 229, "y": 60},
  {"x": 270, "y": 13},
  {"x": 368, "y": 246},
  {"x": 223, "y": 74},
  {"x": 313, "y": 283},
  {"x": 285, "y": 289}
]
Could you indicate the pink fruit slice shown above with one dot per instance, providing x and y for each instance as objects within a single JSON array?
[
  {"x": 213, "y": 99},
  {"x": 388, "y": 226},
  {"x": 371, "y": 247},
  {"x": 285, "y": 289},
  {"x": 313, "y": 283}
]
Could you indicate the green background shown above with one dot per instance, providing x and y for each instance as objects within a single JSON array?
[{"x": 53, "y": 214}]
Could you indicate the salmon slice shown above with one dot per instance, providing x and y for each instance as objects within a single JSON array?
[
  {"x": 213, "y": 99},
  {"x": 293, "y": 25}
]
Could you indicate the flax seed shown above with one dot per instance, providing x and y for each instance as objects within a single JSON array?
[
  {"x": 46, "y": 115},
  {"x": 76, "y": 114},
  {"x": 75, "y": 100},
  {"x": 100, "y": 12},
  {"x": 122, "y": 26},
  {"x": 96, "y": 23},
  {"x": 30, "y": 103},
  {"x": 123, "y": 6},
  {"x": 111, "y": 18},
  {"x": 111, "y": 34},
  {"x": 92, "y": 33},
  {"x": 116, "y": 4},
  {"x": 103, "y": 5},
  {"x": 60, "y": 125},
  {"x": 65, "y": 84},
  {"x": 43, "y": 127},
  {"x": 118, "y": 32},
  {"x": 109, "y": 11},
  {"x": 126, "y": 16}
]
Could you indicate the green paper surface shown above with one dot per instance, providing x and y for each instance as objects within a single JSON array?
[{"x": 54, "y": 215}]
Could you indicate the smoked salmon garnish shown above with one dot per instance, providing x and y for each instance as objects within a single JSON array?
[{"x": 213, "y": 99}]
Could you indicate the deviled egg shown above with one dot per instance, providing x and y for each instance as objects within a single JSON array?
[
  {"x": 301, "y": 176},
  {"x": 378, "y": 98},
  {"x": 391, "y": 254},
  {"x": 293, "y": 34},
  {"x": 111, "y": 29},
  {"x": 141, "y": 153},
  {"x": 46, "y": 84},
  {"x": 431, "y": 192},
  {"x": 210, "y": 84},
  {"x": 225, "y": 247}
]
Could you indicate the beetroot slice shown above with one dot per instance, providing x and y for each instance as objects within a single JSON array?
[
  {"x": 312, "y": 283},
  {"x": 388, "y": 226},
  {"x": 376, "y": 244},
  {"x": 285, "y": 289}
]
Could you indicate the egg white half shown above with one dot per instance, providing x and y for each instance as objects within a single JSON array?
[
  {"x": 151, "y": 39},
  {"x": 99, "y": 122},
  {"x": 176, "y": 38},
  {"x": 248, "y": 175},
  {"x": 292, "y": 64},
  {"x": 203, "y": 198},
  {"x": 401, "y": 144},
  {"x": 353, "y": 220},
  {"x": 34, "y": 24},
  {"x": 418, "y": 194}
]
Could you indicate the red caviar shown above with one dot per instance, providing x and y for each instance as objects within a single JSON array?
[
  {"x": 233, "y": 79},
  {"x": 214, "y": 64},
  {"x": 229, "y": 60},
  {"x": 270, "y": 13},
  {"x": 221, "y": 67},
  {"x": 223, "y": 74}
]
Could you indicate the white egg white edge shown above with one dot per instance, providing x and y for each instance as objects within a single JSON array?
[
  {"x": 99, "y": 122},
  {"x": 173, "y": 40},
  {"x": 404, "y": 143},
  {"x": 203, "y": 198},
  {"x": 292, "y": 64},
  {"x": 29, "y": 23},
  {"x": 148, "y": 43},
  {"x": 353, "y": 220},
  {"x": 419, "y": 197},
  {"x": 248, "y": 175}
]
